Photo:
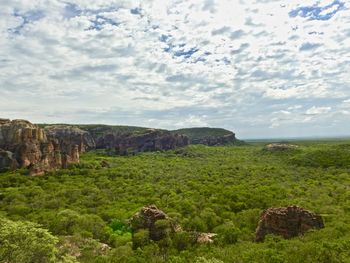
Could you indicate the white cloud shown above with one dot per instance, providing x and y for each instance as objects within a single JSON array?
[
  {"x": 318, "y": 110},
  {"x": 238, "y": 63}
]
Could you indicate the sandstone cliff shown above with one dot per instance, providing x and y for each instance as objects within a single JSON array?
[
  {"x": 130, "y": 142},
  {"x": 25, "y": 145},
  {"x": 208, "y": 136}
]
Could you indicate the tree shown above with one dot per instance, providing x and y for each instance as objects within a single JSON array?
[{"x": 26, "y": 242}]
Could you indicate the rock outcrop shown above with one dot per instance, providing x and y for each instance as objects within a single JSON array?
[
  {"x": 69, "y": 137},
  {"x": 159, "y": 225},
  {"x": 287, "y": 222},
  {"x": 147, "y": 219},
  {"x": 25, "y": 145}
]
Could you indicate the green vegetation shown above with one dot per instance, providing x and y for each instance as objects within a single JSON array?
[{"x": 76, "y": 212}]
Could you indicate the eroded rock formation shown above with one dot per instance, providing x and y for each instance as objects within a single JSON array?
[
  {"x": 69, "y": 137},
  {"x": 159, "y": 225},
  {"x": 147, "y": 219},
  {"x": 25, "y": 145},
  {"x": 287, "y": 222}
]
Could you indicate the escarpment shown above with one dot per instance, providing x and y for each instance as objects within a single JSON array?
[
  {"x": 127, "y": 142},
  {"x": 47, "y": 147},
  {"x": 208, "y": 136},
  {"x": 124, "y": 142},
  {"x": 25, "y": 145}
]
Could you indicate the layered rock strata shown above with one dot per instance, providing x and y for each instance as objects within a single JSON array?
[{"x": 25, "y": 145}]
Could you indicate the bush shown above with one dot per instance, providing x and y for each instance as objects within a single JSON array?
[{"x": 25, "y": 242}]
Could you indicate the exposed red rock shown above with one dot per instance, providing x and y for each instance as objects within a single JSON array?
[
  {"x": 287, "y": 222},
  {"x": 68, "y": 137},
  {"x": 26, "y": 145}
]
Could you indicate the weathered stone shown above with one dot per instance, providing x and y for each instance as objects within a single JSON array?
[
  {"x": 68, "y": 137},
  {"x": 147, "y": 219},
  {"x": 287, "y": 222},
  {"x": 7, "y": 160},
  {"x": 31, "y": 148}
]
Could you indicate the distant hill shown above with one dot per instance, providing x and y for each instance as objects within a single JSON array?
[
  {"x": 208, "y": 136},
  {"x": 198, "y": 135},
  {"x": 121, "y": 129}
]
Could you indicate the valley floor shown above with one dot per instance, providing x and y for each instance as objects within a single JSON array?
[{"x": 208, "y": 189}]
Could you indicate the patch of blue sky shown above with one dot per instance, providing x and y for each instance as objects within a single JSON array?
[
  {"x": 28, "y": 17},
  {"x": 317, "y": 12},
  {"x": 100, "y": 22},
  {"x": 179, "y": 50},
  {"x": 71, "y": 10},
  {"x": 136, "y": 11},
  {"x": 186, "y": 53}
]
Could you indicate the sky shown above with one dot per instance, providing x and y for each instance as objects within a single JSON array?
[{"x": 260, "y": 68}]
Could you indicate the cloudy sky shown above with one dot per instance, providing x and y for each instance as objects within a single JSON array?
[{"x": 262, "y": 68}]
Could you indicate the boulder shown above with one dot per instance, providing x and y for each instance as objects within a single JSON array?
[{"x": 287, "y": 222}]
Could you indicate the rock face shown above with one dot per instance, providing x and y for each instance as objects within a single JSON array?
[
  {"x": 208, "y": 136},
  {"x": 7, "y": 160},
  {"x": 287, "y": 222},
  {"x": 125, "y": 143},
  {"x": 215, "y": 140},
  {"x": 25, "y": 145},
  {"x": 152, "y": 140},
  {"x": 147, "y": 219},
  {"x": 69, "y": 137}
]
